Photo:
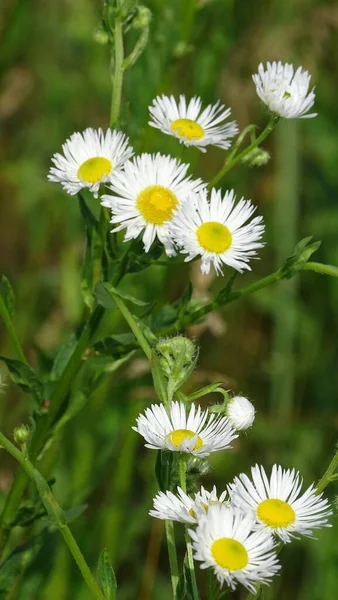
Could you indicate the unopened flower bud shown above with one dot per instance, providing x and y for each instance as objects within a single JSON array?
[
  {"x": 257, "y": 157},
  {"x": 21, "y": 434},
  {"x": 177, "y": 357},
  {"x": 240, "y": 412},
  {"x": 101, "y": 36},
  {"x": 142, "y": 18}
]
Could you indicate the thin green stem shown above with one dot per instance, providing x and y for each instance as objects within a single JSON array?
[
  {"x": 118, "y": 73},
  {"x": 134, "y": 326},
  {"x": 60, "y": 392},
  {"x": 234, "y": 158},
  {"x": 170, "y": 535},
  {"x": 11, "y": 331},
  {"x": 191, "y": 566},
  {"x": 329, "y": 474},
  {"x": 55, "y": 513},
  {"x": 320, "y": 268}
]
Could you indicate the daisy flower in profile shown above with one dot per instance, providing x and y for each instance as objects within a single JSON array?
[
  {"x": 146, "y": 195},
  {"x": 278, "y": 504},
  {"x": 218, "y": 231},
  {"x": 190, "y": 124},
  {"x": 240, "y": 412},
  {"x": 197, "y": 432},
  {"x": 88, "y": 159},
  {"x": 226, "y": 542},
  {"x": 285, "y": 91},
  {"x": 182, "y": 507}
]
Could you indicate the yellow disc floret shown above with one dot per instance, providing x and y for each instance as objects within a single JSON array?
[
  {"x": 179, "y": 435},
  {"x": 276, "y": 513},
  {"x": 94, "y": 169},
  {"x": 214, "y": 237},
  {"x": 229, "y": 554},
  {"x": 156, "y": 204},
  {"x": 188, "y": 129}
]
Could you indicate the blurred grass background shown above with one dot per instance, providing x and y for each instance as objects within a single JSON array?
[{"x": 278, "y": 347}]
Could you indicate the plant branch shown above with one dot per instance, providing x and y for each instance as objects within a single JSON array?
[
  {"x": 234, "y": 158},
  {"x": 55, "y": 514},
  {"x": 191, "y": 566}
]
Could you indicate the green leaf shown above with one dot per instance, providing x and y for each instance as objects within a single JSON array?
[
  {"x": 7, "y": 294},
  {"x": 107, "y": 364},
  {"x": 303, "y": 251},
  {"x": 115, "y": 345},
  {"x": 106, "y": 576},
  {"x": 208, "y": 389},
  {"x": 63, "y": 357},
  {"x": 87, "y": 215},
  {"x": 103, "y": 296},
  {"x": 24, "y": 376}
]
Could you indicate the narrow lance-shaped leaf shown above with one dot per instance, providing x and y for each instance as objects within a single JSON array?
[
  {"x": 24, "y": 376},
  {"x": 106, "y": 576}
]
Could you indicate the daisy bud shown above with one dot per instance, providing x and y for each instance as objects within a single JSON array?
[
  {"x": 257, "y": 157},
  {"x": 21, "y": 434},
  {"x": 178, "y": 357},
  {"x": 240, "y": 412}
]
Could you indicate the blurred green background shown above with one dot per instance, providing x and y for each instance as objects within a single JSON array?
[{"x": 278, "y": 347}]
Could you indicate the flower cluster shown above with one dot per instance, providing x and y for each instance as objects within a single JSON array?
[
  {"x": 237, "y": 531},
  {"x": 154, "y": 197}
]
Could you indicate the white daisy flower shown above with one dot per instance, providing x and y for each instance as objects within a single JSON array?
[
  {"x": 146, "y": 195},
  {"x": 240, "y": 412},
  {"x": 191, "y": 126},
  {"x": 89, "y": 158},
  {"x": 182, "y": 507},
  {"x": 284, "y": 91},
  {"x": 278, "y": 504},
  {"x": 217, "y": 231},
  {"x": 197, "y": 433},
  {"x": 225, "y": 541}
]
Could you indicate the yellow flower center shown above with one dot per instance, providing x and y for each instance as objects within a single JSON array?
[
  {"x": 188, "y": 129},
  {"x": 214, "y": 237},
  {"x": 179, "y": 435},
  {"x": 93, "y": 169},
  {"x": 229, "y": 554},
  {"x": 276, "y": 513},
  {"x": 156, "y": 204}
]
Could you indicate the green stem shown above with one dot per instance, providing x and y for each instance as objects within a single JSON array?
[
  {"x": 55, "y": 513},
  {"x": 44, "y": 423},
  {"x": 328, "y": 475},
  {"x": 118, "y": 73},
  {"x": 11, "y": 331},
  {"x": 234, "y": 158},
  {"x": 191, "y": 566},
  {"x": 320, "y": 268},
  {"x": 170, "y": 535},
  {"x": 134, "y": 326}
]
